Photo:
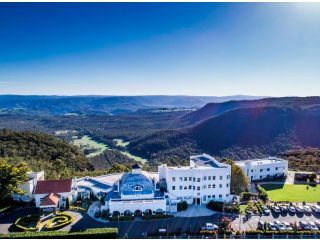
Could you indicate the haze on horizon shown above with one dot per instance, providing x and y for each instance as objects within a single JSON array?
[{"x": 204, "y": 49}]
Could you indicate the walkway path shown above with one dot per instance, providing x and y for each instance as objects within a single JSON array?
[{"x": 195, "y": 211}]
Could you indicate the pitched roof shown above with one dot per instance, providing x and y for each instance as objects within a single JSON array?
[
  {"x": 50, "y": 199},
  {"x": 53, "y": 186}
]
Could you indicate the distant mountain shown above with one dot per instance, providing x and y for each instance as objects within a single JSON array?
[
  {"x": 215, "y": 109},
  {"x": 239, "y": 130},
  {"x": 101, "y": 105}
]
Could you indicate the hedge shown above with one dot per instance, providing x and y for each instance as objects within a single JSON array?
[
  {"x": 23, "y": 222},
  {"x": 62, "y": 220},
  {"x": 181, "y": 206},
  {"x": 261, "y": 232},
  {"x": 88, "y": 233}
]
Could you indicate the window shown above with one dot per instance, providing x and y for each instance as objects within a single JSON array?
[
  {"x": 227, "y": 185},
  {"x": 194, "y": 179},
  {"x": 261, "y": 170},
  {"x": 268, "y": 169},
  {"x": 199, "y": 179},
  {"x": 213, "y": 186},
  {"x": 209, "y": 186},
  {"x": 213, "y": 196},
  {"x": 198, "y": 188},
  {"x": 221, "y": 177},
  {"x": 190, "y": 178},
  {"x": 227, "y": 195},
  {"x": 180, "y": 187},
  {"x": 260, "y": 177},
  {"x": 173, "y": 179},
  {"x": 220, "y": 195},
  {"x": 185, "y": 187},
  {"x": 251, "y": 170},
  {"x": 213, "y": 177},
  {"x": 173, "y": 187},
  {"x": 220, "y": 185},
  {"x": 137, "y": 189},
  {"x": 185, "y": 179},
  {"x": 228, "y": 176},
  {"x": 276, "y": 168},
  {"x": 204, "y": 178},
  {"x": 204, "y": 186},
  {"x": 194, "y": 188},
  {"x": 209, "y": 178},
  {"x": 204, "y": 198},
  {"x": 181, "y": 179},
  {"x": 190, "y": 187}
]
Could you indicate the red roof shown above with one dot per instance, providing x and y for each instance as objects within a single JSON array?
[
  {"x": 50, "y": 199},
  {"x": 53, "y": 186}
]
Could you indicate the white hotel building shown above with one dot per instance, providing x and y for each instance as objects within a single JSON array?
[
  {"x": 258, "y": 169},
  {"x": 203, "y": 180}
]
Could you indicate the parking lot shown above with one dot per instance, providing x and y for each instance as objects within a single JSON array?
[{"x": 240, "y": 223}]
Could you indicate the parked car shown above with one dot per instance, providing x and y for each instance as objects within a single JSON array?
[
  {"x": 304, "y": 225},
  {"x": 272, "y": 226},
  {"x": 317, "y": 224},
  {"x": 316, "y": 208},
  {"x": 265, "y": 210},
  {"x": 284, "y": 208},
  {"x": 276, "y": 209},
  {"x": 313, "y": 226},
  {"x": 292, "y": 209},
  {"x": 307, "y": 209},
  {"x": 287, "y": 226},
  {"x": 300, "y": 208},
  {"x": 280, "y": 226},
  {"x": 162, "y": 230},
  {"x": 210, "y": 227}
]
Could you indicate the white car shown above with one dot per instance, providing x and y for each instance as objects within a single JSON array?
[
  {"x": 210, "y": 227},
  {"x": 307, "y": 209},
  {"x": 317, "y": 224},
  {"x": 272, "y": 226},
  {"x": 300, "y": 208},
  {"x": 288, "y": 226},
  {"x": 313, "y": 226},
  {"x": 276, "y": 209},
  {"x": 280, "y": 226},
  {"x": 316, "y": 208},
  {"x": 292, "y": 209},
  {"x": 266, "y": 210}
]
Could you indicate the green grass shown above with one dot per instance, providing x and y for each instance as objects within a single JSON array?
[
  {"x": 292, "y": 192},
  {"x": 120, "y": 142},
  {"x": 243, "y": 208},
  {"x": 86, "y": 141}
]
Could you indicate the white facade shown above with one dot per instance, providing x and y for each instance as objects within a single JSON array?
[
  {"x": 205, "y": 179},
  {"x": 135, "y": 193},
  {"x": 28, "y": 187},
  {"x": 258, "y": 169}
]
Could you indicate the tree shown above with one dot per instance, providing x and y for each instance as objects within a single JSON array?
[
  {"x": 239, "y": 180},
  {"x": 11, "y": 176}
]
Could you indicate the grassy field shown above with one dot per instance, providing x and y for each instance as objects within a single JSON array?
[
  {"x": 292, "y": 192},
  {"x": 120, "y": 142},
  {"x": 86, "y": 141}
]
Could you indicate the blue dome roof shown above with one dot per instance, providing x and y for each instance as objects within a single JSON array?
[{"x": 132, "y": 184}]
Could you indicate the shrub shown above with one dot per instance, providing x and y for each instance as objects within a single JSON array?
[
  {"x": 101, "y": 233},
  {"x": 215, "y": 206},
  {"x": 181, "y": 206},
  {"x": 24, "y": 222},
  {"x": 262, "y": 193},
  {"x": 61, "y": 220},
  {"x": 246, "y": 196}
]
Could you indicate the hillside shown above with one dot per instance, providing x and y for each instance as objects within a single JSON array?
[
  {"x": 215, "y": 109},
  {"x": 101, "y": 105},
  {"x": 42, "y": 152},
  {"x": 237, "y": 134}
]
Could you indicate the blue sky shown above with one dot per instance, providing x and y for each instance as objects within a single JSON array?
[{"x": 160, "y": 48}]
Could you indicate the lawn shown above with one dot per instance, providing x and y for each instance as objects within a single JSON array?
[
  {"x": 86, "y": 141},
  {"x": 292, "y": 192}
]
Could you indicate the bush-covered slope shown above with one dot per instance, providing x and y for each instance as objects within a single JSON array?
[
  {"x": 238, "y": 134},
  {"x": 42, "y": 152}
]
